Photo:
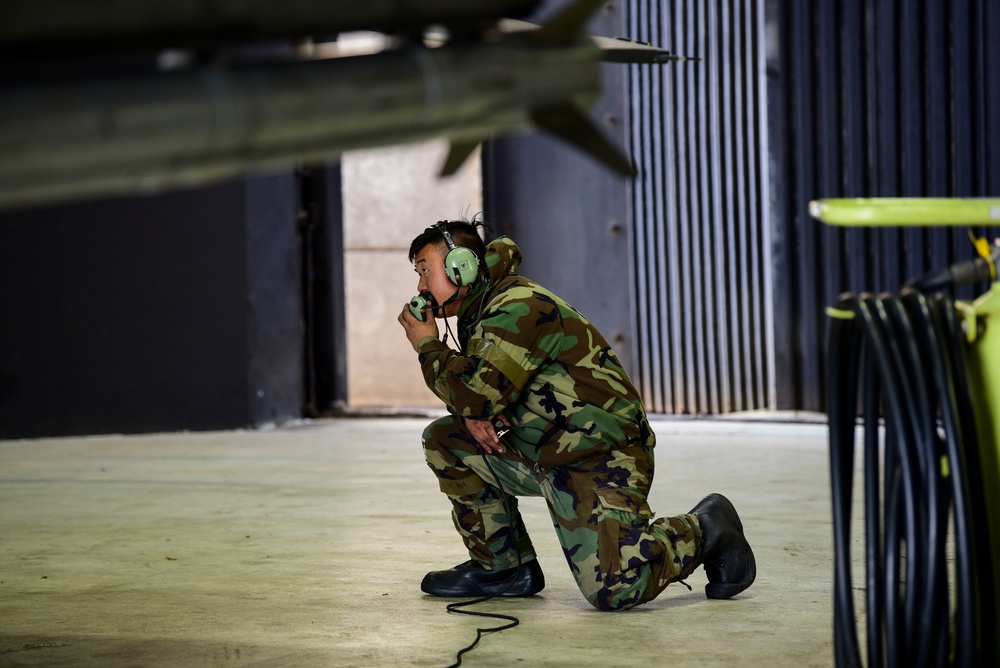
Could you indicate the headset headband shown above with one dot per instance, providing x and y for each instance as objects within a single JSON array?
[{"x": 442, "y": 226}]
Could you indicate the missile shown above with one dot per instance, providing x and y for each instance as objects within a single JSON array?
[
  {"x": 70, "y": 26},
  {"x": 147, "y": 132}
]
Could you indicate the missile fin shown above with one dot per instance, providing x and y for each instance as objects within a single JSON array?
[
  {"x": 458, "y": 153},
  {"x": 613, "y": 49},
  {"x": 569, "y": 123},
  {"x": 621, "y": 50},
  {"x": 568, "y": 25}
]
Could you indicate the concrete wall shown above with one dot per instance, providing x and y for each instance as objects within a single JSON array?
[{"x": 390, "y": 196}]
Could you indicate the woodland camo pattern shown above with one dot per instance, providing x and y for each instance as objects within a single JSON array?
[{"x": 579, "y": 437}]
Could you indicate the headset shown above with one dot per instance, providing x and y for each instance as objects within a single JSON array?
[{"x": 461, "y": 263}]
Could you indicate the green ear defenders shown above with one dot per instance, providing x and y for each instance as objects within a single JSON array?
[{"x": 461, "y": 263}]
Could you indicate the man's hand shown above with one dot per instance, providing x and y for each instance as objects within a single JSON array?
[
  {"x": 485, "y": 435},
  {"x": 417, "y": 331}
]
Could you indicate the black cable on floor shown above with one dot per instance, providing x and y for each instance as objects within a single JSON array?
[
  {"x": 480, "y": 632},
  {"x": 455, "y": 607}
]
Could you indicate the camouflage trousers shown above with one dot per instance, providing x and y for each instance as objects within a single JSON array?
[{"x": 619, "y": 556}]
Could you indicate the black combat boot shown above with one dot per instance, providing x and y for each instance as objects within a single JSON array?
[
  {"x": 725, "y": 552},
  {"x": 472, "y": 580}
]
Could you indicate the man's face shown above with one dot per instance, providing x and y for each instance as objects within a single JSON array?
[{"x": 428, "y": 262}]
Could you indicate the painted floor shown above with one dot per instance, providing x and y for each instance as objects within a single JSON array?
[{"x": 305, "y": 546}]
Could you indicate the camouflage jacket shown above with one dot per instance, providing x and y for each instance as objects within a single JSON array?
[{"x": 529, "y": 355}]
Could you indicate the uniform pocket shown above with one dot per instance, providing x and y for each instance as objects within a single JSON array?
[{"x": 623, "y": 540}]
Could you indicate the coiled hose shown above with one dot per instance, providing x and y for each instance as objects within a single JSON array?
[{"x": 903, "y": 355}]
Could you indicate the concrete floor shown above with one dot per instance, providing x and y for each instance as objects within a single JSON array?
[{"x": 305, "y": 546}]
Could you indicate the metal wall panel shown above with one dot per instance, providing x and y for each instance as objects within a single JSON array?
[
  {"x": 699, "y": 218},
  {"x": 794, "y": 101},
  {"x": 870, "y": 98}
]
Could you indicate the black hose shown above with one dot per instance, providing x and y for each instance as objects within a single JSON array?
[
  {"x": 967, "y": 272},
  {"x": 905, "y": 352},
  {"x": 899, "y": 337},
  {"x": 931, "y": 378},
  {"x": 914, "y": 314},
  {"x": 842, "y": 386},
  {"x": 874, "y": 558},
  {"x": 902, "y": 612}
]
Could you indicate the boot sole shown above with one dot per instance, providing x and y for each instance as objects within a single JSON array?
[{"x": 455, "y": 593}]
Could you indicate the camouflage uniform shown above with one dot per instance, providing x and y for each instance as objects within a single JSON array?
[{"x": 579, "y": 437}]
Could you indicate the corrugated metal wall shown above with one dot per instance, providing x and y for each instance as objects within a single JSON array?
[
  {"x": 699, "y": 215},
  {"x": 868, "y": 98},
  {"x": 794, "y": 101}
]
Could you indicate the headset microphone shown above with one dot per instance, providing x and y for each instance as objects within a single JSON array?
[{"x": 418, "y": 305}]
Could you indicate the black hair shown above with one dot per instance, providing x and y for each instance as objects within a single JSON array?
[{"x": 465, "y": 233}]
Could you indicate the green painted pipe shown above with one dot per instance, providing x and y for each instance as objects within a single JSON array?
[{"x": 909, "y": 211}]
